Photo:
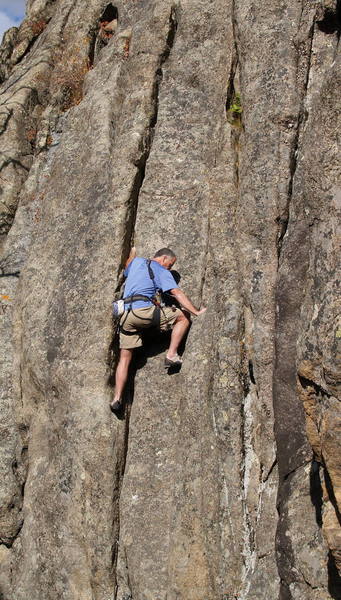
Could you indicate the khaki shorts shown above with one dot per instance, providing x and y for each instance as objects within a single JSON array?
[{"x": 134, "y": 321}]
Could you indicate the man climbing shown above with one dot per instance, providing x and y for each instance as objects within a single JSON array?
[{"x": 145, "y": 279}]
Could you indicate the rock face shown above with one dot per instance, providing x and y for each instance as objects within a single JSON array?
[{"x": 210, "y": 128}]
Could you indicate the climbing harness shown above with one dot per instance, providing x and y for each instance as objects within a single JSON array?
[{"x": 119, "y": 306}]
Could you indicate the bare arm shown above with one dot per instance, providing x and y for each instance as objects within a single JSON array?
[
  {"x": 130, "y": 257},
  {"x": 185, "y": 302}
]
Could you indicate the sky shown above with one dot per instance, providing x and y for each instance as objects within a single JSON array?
[{"x": 12, "y": 13}]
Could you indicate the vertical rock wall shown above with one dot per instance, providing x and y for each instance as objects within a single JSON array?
[{"x": 210, "y": 128}]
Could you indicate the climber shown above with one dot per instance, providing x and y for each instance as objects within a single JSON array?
[
  {"x": 108, "y": 23},
  {"x": 107, "y": 29},
  {"x": 145, "y": 280}
]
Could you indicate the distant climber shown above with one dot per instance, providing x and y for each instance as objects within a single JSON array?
[
  {"x": 146, "y": 280},
  {"x": 107, "y": 26},
  {"x": 107, "y": 29}
]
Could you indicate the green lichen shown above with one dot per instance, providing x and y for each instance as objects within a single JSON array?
[{"x": 234, "y": 111}]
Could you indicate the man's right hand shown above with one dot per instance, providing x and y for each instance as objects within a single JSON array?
[
  {"x": 201, "y": 311},
  {"x": 185, "y": 302},
  {"x": 132, "y": 253},
  {"x": 131, "y": 256}
]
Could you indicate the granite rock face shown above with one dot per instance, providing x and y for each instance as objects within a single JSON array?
[{"x": 210, "y": 128}]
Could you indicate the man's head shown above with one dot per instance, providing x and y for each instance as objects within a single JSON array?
[{"x": 165, "y": 257}]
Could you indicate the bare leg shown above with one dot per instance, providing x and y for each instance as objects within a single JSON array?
[
  {"x": 122, "y": 372},
  {"x": 179, "y": 330}
]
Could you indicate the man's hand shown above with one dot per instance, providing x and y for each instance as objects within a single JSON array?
[
  {"x": 131, "y": 256},
  {"x": 186, "y": 303},
  {"x": 132, "y": 253}
]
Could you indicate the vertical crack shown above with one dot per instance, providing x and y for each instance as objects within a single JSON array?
[
  {"x": 128, "y": 240},
  {"x": 122, "y": 445},
  {"x": 230, "y": 87},
  {"x": 334, "y": 579},
  {"x": 146, "y": 143},
  {"x": 205, "y": 260},
  {"x": 233, "y": 98},
  {"x": 316, "y": 491},
  {"x": 173, "y": 25},
  {"x": 283, "y": 220}
]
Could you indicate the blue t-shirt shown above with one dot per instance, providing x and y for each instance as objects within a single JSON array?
[{"x": 139, "y": 282}]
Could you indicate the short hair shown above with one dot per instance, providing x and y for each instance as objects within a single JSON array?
[{"x": 165, "y": 252}]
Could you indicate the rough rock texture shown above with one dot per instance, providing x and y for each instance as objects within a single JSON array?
[{"x": 120, "y": 125}]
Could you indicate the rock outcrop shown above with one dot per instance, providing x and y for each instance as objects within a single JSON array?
[{"x": 210, "y": 128}]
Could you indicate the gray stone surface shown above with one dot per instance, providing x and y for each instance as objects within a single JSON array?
[{"x": 221, "y": 482}]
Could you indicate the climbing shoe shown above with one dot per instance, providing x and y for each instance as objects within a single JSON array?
[
  {"x": 175, "y": 361},
  {"x": 116, "y": 405}
]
